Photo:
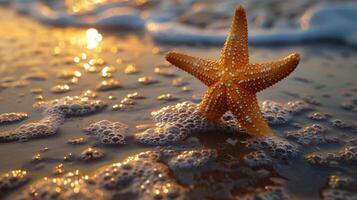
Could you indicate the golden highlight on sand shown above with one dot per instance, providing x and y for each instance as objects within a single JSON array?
[{"x": 233, "y": 82}]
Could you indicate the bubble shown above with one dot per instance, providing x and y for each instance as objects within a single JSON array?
[
  {"x": 339, "y": 187},
  {"x": 341, "y": 182},
  {"x": 167, "y": 97},
  {"x": 131, "y": 69},
  {"x": 37, "y": 158},
  {"x": 77, "y": 141},
  {"x": 179, "y": 82},
  {"x": 68, "y": 74},
  {"x": 147, "y": 80},
  {"x": 337, "y": 123},
  {"x": 110, "y": 84},
  {"x": 125, "y": 104},
  {"x": 39, "y": 98},
  {"x": 311, "y": 100},
  {"x": 297, "y": 107},
  {"x": 275, "y": 113},
  {"x": 108, "y": 132},
  {"x": 89, "y": 94},
  {"x": 54, "y": 111},
  {"x": 70, "y": 186},
  {"x": 193, "y": 159},
  {"x": 257, "y": 158},
  {"x": 135, "y": 96},
  {"x": 71, "y": 106},
  {"x": 347, "y": 155},
  {"x": 12, "y": 180},
  {"x": 59, "y": 169},
  {"x": 273, "y": 146},
  {"x": 176, "y": 122},
  {"x": 319, "y": 116},
  {"x": 185, "y": 89},
  {"x": 142, "y": 176},
  {"x": 309, "y": 134},
  {"x": 91, "y": 154},
  {"x": 165, "y": 72},
  {"x": 60, "y": 89},
  {"x": 69, "y": 157},
  {"x": 45, "y": 127},
  {"x": 7, "y": 118}
]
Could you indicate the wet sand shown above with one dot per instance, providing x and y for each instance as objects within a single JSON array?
[{"x": 325, "y": 78}]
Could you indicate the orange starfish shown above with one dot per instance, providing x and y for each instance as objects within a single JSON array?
[{"x": 233, "y": 82}]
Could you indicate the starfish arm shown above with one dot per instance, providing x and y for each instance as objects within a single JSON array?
[
  {"x": 213, "y": 105},
  {"x": 244, "y": 105},
  {"x": 205, "y": 70},
  {"x": 235, "y": 50},
  {"x": 257, "y": 77}
]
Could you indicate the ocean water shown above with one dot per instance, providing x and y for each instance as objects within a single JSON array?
[
  {"x": 51, "y": 50},
  {"x": 205, "y": 21}
]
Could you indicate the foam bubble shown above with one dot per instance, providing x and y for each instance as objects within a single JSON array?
[
  {"x": 142, "y": 176},
  {"x": 179, "y": 82},
  {"x": 45, "y": 127},
  {"x": 58, "y": 89},
  {"x": 165, "y": 72},
  {"x": 341, "y": 182},
  {"x": 131, "y": 69},
  {"x": 167, "y": 97},
  {"x": 257, "y": 158},
  {"x": 110, "y": 84},
  {"x": 275, "y": 113},
  {"x": 13, "y": 179},
  {"x": 108, "y": 132},
  {"x": 135, "y": 96},
  {"x": 77, "y": 141},
  {"x": 54, "y": 111},
  {"x": 70, "y": 186},
  {"x": 339, "y": 187},
  {"x": 274, "y": 146},
  {"x": 192, "y": 159},
  {"x": 59, "y": 169},
  {"x": 297, "y": 107},
  {"x": 91, "y": 154},
  {"x": 70, "y": 106},
  {"x": 337, "y": 123},
  {"x": 319, "y": 116},
  {"x": 125, "y": 104},
  {"x": 348, "y": 155},
  {"x": 7, "y": 118},
  {"x": 147, "y": 80},
  {"x": 309, "y": 134},
  {"x": 176, "y": 122}
]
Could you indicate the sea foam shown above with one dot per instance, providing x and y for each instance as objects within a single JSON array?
[{"x": 165, "y": 21}]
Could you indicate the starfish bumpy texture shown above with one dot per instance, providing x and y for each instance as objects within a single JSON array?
[{"x": 233, "y": 82}]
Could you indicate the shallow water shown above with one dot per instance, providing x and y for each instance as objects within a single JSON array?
[{"x": 326, "y": 75}]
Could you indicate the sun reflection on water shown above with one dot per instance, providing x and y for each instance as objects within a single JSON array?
[{"x": 93, "y": 38}]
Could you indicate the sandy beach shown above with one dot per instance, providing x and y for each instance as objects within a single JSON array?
[{"x": 42, "y": 62}]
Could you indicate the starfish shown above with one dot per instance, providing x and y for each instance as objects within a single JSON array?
[{"x": 232, "y": 81}]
